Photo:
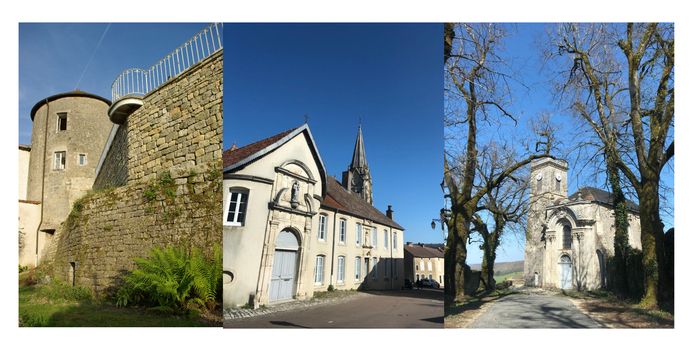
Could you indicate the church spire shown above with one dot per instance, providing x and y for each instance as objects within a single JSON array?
[
  {"x": 359, "y": 159},
  {"x": 357, "y": 178}
]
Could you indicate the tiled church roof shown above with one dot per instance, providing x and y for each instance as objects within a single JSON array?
[
  {"x": 601, "y": 196},
  {"x": 341, "y": 199}
]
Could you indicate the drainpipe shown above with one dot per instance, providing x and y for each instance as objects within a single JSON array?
[
  {"x": 43, "y": 179},
  {"x": 335, "y": 215},
  {"x": 391, "y": 254}
]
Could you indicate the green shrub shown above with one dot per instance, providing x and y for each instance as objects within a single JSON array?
[
  {"x": 331, "y": 288},
  {"x": 58, "y": 290},
  {"x": 173, "y": 280},
  {"x": 23, "y": 268}
]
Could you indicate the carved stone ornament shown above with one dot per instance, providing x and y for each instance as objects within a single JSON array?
[{"x": 295, "y": 195}]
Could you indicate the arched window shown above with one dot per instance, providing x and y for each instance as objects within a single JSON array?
[
  {"x": 236, "y": 207},
  {"x": 341, "y": 269},
  {"x": 567, "y": 237},
  {"x": 318, "y": 273},
  {"x": 322, "y": 224}
]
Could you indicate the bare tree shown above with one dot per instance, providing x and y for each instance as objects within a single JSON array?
[
  {"x": 504, "y": 206},
  {"x": 477, "y": 90},
  {"x": 620, "y": 81}
]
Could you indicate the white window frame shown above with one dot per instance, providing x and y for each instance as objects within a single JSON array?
[
  {"x": 237, "y": 210},
  {"x": 59, "y": 160},
  {"x": 395, "y": 245},
  {"x": 358, "y": 268},
  {"x": 374, "y": 268},
  {"x": 374, "y": 237},
  {"x": 358, "y": 234},
  {"x": 422, "y": 265},
  {"x": 342, "y": 231},
  {"x": 318, "y": 270},
  {"x": 430, "y": 266},
  {"x": 341, "y": 270},
  {"x": 386, "y": 239},
  {"x": 322, "y": 227}
]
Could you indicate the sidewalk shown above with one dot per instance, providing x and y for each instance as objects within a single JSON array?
[{"x": 239, "y": 313}]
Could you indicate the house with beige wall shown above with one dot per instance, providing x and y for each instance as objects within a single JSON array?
[
  {"x": 291, "y": 230},
  {"x": 424, "y": 261},
  {"x": 570, "y": 238}
]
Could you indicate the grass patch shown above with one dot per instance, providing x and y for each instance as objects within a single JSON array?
[
  {"x": 508, "y": 276},
  {"x": 59, "y": 305}
]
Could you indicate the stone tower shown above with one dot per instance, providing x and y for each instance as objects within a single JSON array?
[
  {"x": 357, "y": 178},
  {"x": 548, "y": 183},
  {"x": 69, "y": 133}
]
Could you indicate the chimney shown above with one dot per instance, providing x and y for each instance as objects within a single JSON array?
[{"x": 390, "y": 213}]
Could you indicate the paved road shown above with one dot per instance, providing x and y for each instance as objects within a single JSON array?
[
  {"x": 386, "y": 309},
  {"x": 533, "y": 311}
]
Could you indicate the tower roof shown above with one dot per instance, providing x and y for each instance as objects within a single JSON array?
[
  {"x": 359, "y": 158},
  {"x": 74, "y": 93}
]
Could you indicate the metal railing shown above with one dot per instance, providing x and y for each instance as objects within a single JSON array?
[{"x": 139, "y": 82}]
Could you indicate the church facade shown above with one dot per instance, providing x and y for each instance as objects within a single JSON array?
[
  {"x": 291, "y": 230},
  {"x": 570, "y": 238}
]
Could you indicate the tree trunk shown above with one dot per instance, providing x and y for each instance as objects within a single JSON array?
[
  {"x": 652, "y": 242},
  {"x": 488, "y": 260}
]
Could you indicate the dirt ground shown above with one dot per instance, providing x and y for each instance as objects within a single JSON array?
[{"x": 615, "y": 314}]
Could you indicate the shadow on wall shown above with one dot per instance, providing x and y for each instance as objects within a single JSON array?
[{"x": 386, "y": 273}]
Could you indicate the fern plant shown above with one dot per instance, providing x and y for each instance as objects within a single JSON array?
[{"x": 173, "y": 280}]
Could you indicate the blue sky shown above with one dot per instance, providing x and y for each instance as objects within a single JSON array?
[
  {"x": 53, "y": 56},
  {"x": 390, "y": 75},
  {"x": 523, "y": 47}
]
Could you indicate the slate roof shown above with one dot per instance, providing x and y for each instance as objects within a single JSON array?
[
  {"x": 601, "y": 196},
  {"x": 424, "y": 251},
  {"x": 343, "y": 200}
]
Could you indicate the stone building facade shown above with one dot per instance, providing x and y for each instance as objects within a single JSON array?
[
  {"x": 68, "y": 131},
  {"x": 291, "y": 230},
  {"x": 424, "y": 261},
  {"x": 171, "y": 149},
  {"x": 570, "y": 238}
]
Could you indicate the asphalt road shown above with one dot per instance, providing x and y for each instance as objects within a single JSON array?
[
  {"x": 385, "y": 309},
  {"x": 533, "y": 311}
]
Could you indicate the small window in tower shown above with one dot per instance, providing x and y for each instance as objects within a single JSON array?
[
  {"x": 557, "y": 182},
  {"x": 59, "y": 160},
  {"x": 82, "y": 159},
  {"x": 62, "y": 122}
]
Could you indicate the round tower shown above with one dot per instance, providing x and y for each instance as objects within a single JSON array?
[{"x": 68, "y": 134}]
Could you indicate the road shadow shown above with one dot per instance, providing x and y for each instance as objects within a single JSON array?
[
  {"x": 287, "y": 324},
  {"x": 433, "y": 294},
  {"x": 473, "y": 303}
]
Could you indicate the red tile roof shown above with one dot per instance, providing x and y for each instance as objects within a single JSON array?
[
  {"x": 233, "y": 156},
  {"x": 338, "y": 198}
]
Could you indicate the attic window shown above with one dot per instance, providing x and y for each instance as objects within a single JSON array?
[{"x": 62, "y": 124}]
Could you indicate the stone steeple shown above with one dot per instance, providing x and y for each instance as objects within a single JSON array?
[{"x": 357, "y": 178}]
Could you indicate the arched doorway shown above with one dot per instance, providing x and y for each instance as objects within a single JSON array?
[
  {"x": 284, "y": 266},
  {"x": 565, "y": 268},
  {"x": 601, "y": 267}
]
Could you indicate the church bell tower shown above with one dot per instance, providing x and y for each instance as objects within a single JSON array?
[{"x": 357, "y": 178}]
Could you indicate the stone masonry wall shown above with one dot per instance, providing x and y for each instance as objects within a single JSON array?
[
  {"x": 114, "y": 171},
  {"x": 173, "y": 193}
]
